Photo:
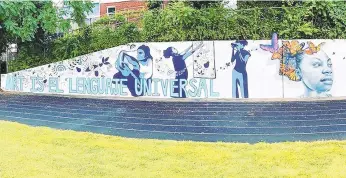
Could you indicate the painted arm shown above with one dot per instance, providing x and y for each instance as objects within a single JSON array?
[
  {"x": 186, "y": 50},
  {"x": 189, "y": 52},
  {"x": 121, "y": 59},
  {"x": 132, "y": 61},
  {"x": 244, "y": 58},
  {"x": 233, "y": 57}
]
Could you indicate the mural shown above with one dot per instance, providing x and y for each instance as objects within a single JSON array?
[
  {"x": 204, "y": 61},
  {"x": 136, "y": 72},
  {"x": 201, "y": 69},
  {"x": 304, "y": 62}
]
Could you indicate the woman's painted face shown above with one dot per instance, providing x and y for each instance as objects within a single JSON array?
[
  {"x": 316, "y": 71},
  {"x": 140, "y": 55}
]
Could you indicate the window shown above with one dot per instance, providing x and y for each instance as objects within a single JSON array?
[
  {"x": 111, "y": 10},
  {"x": 66, "y": 2}
]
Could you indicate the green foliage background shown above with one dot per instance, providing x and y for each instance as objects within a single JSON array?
[{"x": 182, "y": 21}]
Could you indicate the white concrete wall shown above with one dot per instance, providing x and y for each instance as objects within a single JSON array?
[{"x": 209, "y": 67}]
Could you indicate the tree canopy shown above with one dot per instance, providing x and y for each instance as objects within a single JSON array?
[
  {"x": 21, "y": 21},
  {"x": 185, "y": 21}
]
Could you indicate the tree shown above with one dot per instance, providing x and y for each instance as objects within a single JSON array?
[
  {"x": 297, "y": 19},
  {"x": 154, "y": 4},
  {"x": 23, "y": 21},
  {"x": 205, "y": 4}
]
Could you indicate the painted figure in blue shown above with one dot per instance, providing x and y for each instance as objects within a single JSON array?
[
  {"x": 131, "y": 68},
  {"x": 180, "y": 65},
  {"x": 239, "y": 74}
]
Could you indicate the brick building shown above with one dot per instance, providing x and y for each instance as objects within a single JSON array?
[{"x": 110, "y": 8}]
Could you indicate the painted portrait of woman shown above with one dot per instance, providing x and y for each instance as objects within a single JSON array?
[
  {"x": 306, "y": 63},
  {"x": 316, "y": 73},
  {"x": 310, "y": 65}
]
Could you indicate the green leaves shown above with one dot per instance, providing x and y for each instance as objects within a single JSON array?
[
  {"x": 79, "y": 9},
  {"x": 21, "y": 19},
  {"x": 255, "y": 20},
  {"x": 48, "y": 18},
  {"x": 18, "y": 18}
]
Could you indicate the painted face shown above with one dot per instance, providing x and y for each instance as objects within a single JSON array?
[
  {"x": 174, "y": 51},
  {"x": 140, "y": 55},
  {"x": 240, "y": 46},
  {"x": 316, "y": 72}
]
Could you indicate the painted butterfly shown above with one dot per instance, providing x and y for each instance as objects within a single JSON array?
[
  {"x": 294, "y": 47},
  {"x": 312, "y": 48},
  {"x": 274, "y": 46}
]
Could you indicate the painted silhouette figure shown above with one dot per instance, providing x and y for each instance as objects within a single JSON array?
[
  {"x": 239, "y": 74},
  {"x": 180, "y": 65},
  {"x": 131, "y": 69}
]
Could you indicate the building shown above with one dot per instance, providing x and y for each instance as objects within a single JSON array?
[
  {"x": 105, "y": 8},
  {"x": 109, "y": 7}
]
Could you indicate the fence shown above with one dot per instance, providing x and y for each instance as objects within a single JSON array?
[{"x": 7, "y": 56}]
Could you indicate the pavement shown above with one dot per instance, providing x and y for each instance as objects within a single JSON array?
[{"x": 208, "y": 120}]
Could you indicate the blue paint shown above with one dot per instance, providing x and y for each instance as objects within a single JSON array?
[
  {"x": 122, "y": 81},
  {"x": 164, "y": 86},
  {"x": 202, "y": 86},
  {"x": 182, "y": 90},
  {"x": 39, "y": 81},
  {"x": 40, "y": 84},
  {"x": 239, "y": 73},
  {"x": 139, "y": 90},
  {"x": 70, "y": 89},
  {"x": 20, "y": 82},
  {"x": 133, "y": 69},
  {"x": 156, "y": 81},
  {"x": 115, "y": 90},
  {"x": 10, "y": 83},
  {"x": 80, "y": 85},
  {"x": 53, "y": 85},
  {"x": 108, "y": 87},
  {"x": 212, "y": 93},
  {"x": 173, "y": 88},
  {"x": 102, "y": 89},
  {"x": 95, "y": 86},
  {"x": 14, "y": 83},
  {"x": 147, "y": 87},
  {"x": 193, "y": 93},
  {"x": 180, "y": 68}
]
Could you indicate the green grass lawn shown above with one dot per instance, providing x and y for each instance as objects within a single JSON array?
[{"x": 42, "y": 152}]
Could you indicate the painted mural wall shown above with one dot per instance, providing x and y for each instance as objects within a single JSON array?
[{"x": 199, "y": 69}]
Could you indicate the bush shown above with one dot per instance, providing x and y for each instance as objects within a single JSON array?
[{"x": 180, "y": 22}]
